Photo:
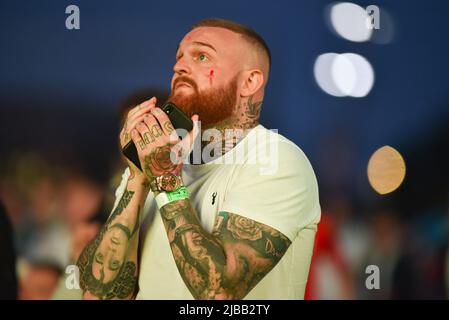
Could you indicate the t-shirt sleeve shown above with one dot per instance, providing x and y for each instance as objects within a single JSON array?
[{"x": 286, "y": 198}]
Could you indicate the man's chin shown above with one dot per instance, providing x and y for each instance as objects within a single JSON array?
[
  {"x": 184, "y": 91},
  {"x": 182, "y": 98}
]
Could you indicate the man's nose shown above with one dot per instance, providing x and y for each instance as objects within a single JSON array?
[{"x": 181, "y": 67}]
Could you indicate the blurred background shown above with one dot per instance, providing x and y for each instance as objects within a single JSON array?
[{"x": 362, "y": 87}]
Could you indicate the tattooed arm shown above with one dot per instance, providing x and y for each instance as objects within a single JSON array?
[
  {"x": 108, "y": 265},
  {"x": 228, "y": 263}
]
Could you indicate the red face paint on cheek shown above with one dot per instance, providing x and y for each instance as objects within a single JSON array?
[{"x": 211, "y": 76}]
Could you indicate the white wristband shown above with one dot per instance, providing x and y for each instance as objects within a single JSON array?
[{"x": 164, "y": 198}]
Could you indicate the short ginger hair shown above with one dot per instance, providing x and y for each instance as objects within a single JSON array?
[{"x": 247, "y": 33}]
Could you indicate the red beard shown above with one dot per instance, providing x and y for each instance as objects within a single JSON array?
[{"x": 212, "y": 106}]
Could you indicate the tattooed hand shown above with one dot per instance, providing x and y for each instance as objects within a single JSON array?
[
  {"x": 158, "y": 145},
  {"x": 135, "y": 116}
]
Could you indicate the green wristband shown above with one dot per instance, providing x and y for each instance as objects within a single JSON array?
[
  {"x": 166, "y": 197},
  {"x": 178, "y": 194}
]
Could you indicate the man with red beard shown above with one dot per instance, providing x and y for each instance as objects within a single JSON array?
[{"x": 223, "y": 227}]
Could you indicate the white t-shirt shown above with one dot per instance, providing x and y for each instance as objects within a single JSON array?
[{"x": 266, "y": 178}]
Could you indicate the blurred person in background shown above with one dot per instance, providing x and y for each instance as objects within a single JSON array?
[
  {"x": 446, "y": 260},
  {"x": 341, "y": 243},
  {"x": 330, "y": 277},
  {"x": 83, "y": 206},
  {"x": 384, "y": 251},
  {"x": 422, "y": 266},
  {"x": 54, "y": 207},
  {"x": 8, "y": 277},
  {"x": 29, "y": 190},
  {"x": 39, "y": 280}
]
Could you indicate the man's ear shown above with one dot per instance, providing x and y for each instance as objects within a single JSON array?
[{"x": 253, "y": 81}]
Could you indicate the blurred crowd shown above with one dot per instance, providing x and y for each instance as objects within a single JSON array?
[
  {"x": 411, "y": 255},
  {"x": 54, "y": 212}
]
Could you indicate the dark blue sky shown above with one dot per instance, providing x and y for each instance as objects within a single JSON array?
[{"x": 127, "y": 45}]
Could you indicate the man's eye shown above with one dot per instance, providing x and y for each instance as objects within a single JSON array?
[{"x": 203, "y": 57}]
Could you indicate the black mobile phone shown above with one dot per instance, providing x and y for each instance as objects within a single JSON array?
[{"x": 178, "y": 119}]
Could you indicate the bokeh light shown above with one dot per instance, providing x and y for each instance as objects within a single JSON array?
[
  {"x": 349, "y": 20},
  {"x": 386, "y": 170},
  {"x": 323, "y": 74},
  {"x": 364, "y": 75},
  {"x": 342, "y": 75}
]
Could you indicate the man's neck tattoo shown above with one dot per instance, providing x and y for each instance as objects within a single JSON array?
[{"x": 231, "y": 131}]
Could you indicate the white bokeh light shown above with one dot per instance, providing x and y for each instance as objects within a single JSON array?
[
  {"x": 323, "y": 74},
  {"x": 349, "y": 21},
  {"x": 364, "y": 75},
  {"x": 342, "y": 75}
]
